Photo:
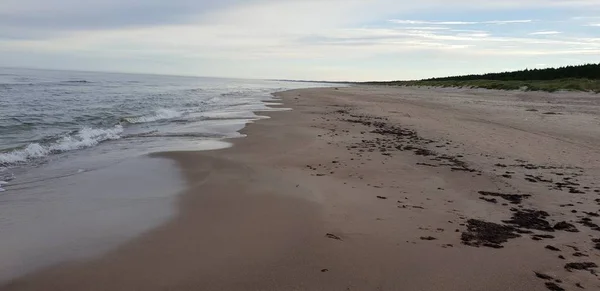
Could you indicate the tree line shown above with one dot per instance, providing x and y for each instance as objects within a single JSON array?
[{"x": 588, "y": 71}]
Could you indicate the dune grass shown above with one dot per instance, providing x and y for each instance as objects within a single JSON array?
[{"x": 585, "y": 85}]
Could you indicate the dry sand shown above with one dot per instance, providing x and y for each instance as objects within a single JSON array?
[{"x": 376, "y": 188}]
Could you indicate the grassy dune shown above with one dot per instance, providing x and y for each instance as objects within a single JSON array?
[{"x": 585, "y": 85}]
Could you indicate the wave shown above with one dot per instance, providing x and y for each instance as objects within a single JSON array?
[
  {"x": 84, "y": 138},
  {"x": 77, "y": 81},
  {"x": 160, "y": 114}
]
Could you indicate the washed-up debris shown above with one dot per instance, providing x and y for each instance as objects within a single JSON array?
[
  {"x": 512, "y": 198},
  {"x": 488, "y": 234}
]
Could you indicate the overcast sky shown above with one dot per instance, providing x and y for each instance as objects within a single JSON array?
[{"x": 299, "y": 39}]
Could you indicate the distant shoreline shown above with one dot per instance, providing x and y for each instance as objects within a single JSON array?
[{"x": 584, "y": 78}]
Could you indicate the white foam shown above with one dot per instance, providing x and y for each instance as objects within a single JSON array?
[
  {"x": 34, "y": 150},
  {"x": 86, "y": 137},
  {"x": 160, "y": 114},
  {"x": 2, "y": 183}
]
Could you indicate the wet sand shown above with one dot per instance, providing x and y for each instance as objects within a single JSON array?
[
  {"x": 376, "y": 188},
  {"x": 81, "y": 208}
]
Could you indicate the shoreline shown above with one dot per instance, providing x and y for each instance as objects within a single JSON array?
[{"x": 365, "y": 188}]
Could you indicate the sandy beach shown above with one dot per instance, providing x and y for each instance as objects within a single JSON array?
[{"x": 378, "y": 188}]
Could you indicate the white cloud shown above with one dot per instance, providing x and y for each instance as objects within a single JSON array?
[
  {"x": 428, "y": 28},
  {"x": 401, "y": 21},
  {"x": 549, "y": 32},
  {"x": 507, "y": 21}
]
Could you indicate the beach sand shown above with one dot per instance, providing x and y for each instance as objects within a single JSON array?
[{"x": 378, "y": 188}]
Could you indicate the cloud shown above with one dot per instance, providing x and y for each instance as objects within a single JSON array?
[
  {"x": 507, "y": 21},
  {"x": 57, "y": 16},
  {"x": 428, "y": 28},
  {"x": 279, "y": 38},
  {"x": 550, "y": 32},
  {"x": 42, "y": 19},
  {"x": 399, "y": 21}
]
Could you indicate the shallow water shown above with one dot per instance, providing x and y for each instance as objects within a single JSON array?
[{"x": 76, "y": 180}]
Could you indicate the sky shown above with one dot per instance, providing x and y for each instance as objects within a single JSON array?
[{"x": 353, "y": 40}]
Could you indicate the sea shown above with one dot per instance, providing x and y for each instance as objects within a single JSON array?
[{"x": 76, "y": 178}]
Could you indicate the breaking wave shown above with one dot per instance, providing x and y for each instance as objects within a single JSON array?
[
  {"x": 160, "y": 114},
  {"x": 84, "y": 138},
  {"x": 2, "y": 183}
]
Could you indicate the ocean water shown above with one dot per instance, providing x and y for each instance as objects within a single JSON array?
[
  {"x": 75, "y": 178},
  {"x": 47, "y": 113}
]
